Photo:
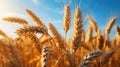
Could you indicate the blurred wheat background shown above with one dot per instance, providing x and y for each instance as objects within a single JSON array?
[{"x": 42, "y": 45}]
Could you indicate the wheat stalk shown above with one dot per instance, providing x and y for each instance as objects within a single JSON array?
[
  {"x": 16, "y": 20},
  {"x": 92, "y": 23},
  {"x": 67, "y": 18}
]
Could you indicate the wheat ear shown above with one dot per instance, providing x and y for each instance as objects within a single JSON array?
[
  {"x": 35, "y": 18},
  {"x": 76, "y": 38},
  {"x": 16, "y": 20},
  {"x": 67, "y": 18},
  {"x": 109, "y": 26},
  {"x": 31, "y": 29},
  {"x": 92, "y": 23},
  {"x": 89, "y": 57},
  {"x": 77, "y": 29},
  {"x": 57, "y": 36},
  {"x": 45, "y": 56}
]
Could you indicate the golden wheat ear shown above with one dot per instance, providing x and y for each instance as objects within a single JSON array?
[
  {"x": 92, "y": 23},
  {"x": 16, "y": 20},
  {"x": 110, "y": 25},
  {"x": 45, "y": 56},
  {"x": 57, "y": 36},
  {"x": 31, "y": 29},
  {"x": 89, "y": 57},
  {"x": 67, "y": 18},
  {"x": 35, "y": 18},
  {"x": 77, "y": 29}
]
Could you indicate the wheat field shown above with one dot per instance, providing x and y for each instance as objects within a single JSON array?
[{"x": 51, "y": 49}]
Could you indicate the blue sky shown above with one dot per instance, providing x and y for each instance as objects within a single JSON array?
[{"x": 52, "y": 11}]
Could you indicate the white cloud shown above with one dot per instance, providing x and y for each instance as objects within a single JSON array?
[{"x": 35, "y": 1}]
